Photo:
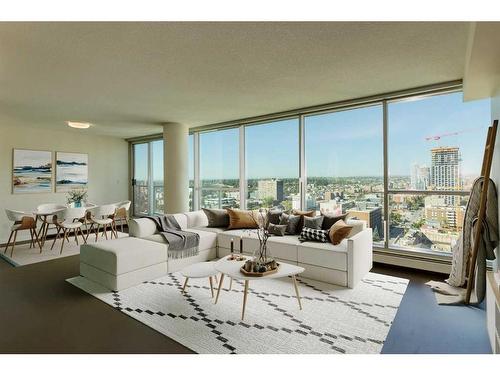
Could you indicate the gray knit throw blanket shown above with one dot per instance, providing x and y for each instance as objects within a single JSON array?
[{"x": 181, "y": 244}]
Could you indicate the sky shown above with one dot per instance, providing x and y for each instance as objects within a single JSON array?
[{"x": 345, "y": 143}]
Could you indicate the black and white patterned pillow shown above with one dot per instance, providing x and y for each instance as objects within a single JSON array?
[{"x": 309, "y": 234}]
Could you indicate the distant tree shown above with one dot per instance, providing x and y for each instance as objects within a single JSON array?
[
  {"x": 267, "y": 202},
  {"x": 418, "y": 224},
  {"x": 396, "y": 218},
  {"x": 287, "y": 205}
]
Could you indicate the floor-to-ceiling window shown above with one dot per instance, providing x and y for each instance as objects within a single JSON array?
[
  {"x": 147, "y": 182},
  {"x": 435, "y": 144},
  {"x": 191, "y": 171},
  {"x": 414, "y": 199},
  {"x": 272, "y": 164},
  {"x": 219, "y": 169},
  {"x": 344, "y": 164}
]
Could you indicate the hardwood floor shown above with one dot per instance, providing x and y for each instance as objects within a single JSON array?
[{"x": 41, "y": 313}]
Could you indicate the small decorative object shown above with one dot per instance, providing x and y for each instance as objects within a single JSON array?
[
  {"x": 71, "y": 171},
  {"x": 77, "y": 196},
  {"x": 236, "y": 257},
  {"x": 32, "y": 171},
  {"x": 232, "y": 246},
  {"x": 241, "y": 244},
  {"x": 261, "y": 263}
]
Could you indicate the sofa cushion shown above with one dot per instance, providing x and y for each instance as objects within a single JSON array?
[
  {"x": 276, "y": 229},
  {"x": 141, "y": 227},
  {"x": 329, "y": 220},
  {"x": 339, "y": 231},
  {"x": 217, "y": 218},
  {"x": 182, "y": 220},
  {"x": 273, "y": 216},
  {"x": 291, "y": 222},
  {"x": 208, "y": 229},
  {"x": 323, "y": 254},
  {"x": 123, "y": 255},
  {"x": 196, "y": 219},
  {"x": 208, "y": 240},
  {"x": 357, "y": 226},
  {"x": 313, "y": 222},
  {"x": 242, "y": 219},
  {"x": 284, "y": 247},
  {"x": 302, "y": 214}
]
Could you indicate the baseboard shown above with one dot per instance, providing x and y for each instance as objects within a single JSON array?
[{"x": 416, "y": 262}]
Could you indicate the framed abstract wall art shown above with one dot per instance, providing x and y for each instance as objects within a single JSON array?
[
  {"x": 31, "y": 171},
  {"x": 71, "y": 171}
]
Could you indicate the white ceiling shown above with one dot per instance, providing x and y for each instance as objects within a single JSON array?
[{"x": 127, "y": 78}]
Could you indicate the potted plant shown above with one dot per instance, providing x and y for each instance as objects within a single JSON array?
[
  {"x": 262, "y": 262},
  {"x": 77, "y": 196}
]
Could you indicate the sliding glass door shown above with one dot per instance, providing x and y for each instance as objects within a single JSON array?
[{"x": 147, "y": 181}]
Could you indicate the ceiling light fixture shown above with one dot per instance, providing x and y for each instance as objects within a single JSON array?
[{"x": 78, "y": 125}]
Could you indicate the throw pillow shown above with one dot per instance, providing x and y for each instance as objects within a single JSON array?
[
  {"x": 242, "y": 219},
  {"x": 291, "y": 222},
  {"x": 329, "y": 220},
  {"x": 301, "y": 215},
  {"x": 273, "y": 216},
  {"x": 217, "y": 218},
  {"x": 318, "y": 235},
  {"x": 339, "y": 231},
  {"x": 276, "y": 229},
  {"x": 313, "y": 222}
]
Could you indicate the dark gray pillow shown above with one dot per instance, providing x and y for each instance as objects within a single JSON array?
[
  {"x": 291, "y": 222},
  {"x": 216, "y": 218},
  {"x": 313, "y": 222},
  {"x": 276, "y": 229},
  {"x": 274, "y": 216},
  {"x": 329, "y": 220}
]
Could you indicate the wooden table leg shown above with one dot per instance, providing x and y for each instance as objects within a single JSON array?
[
  {"x": 297, "y": 291},
  {"x": 220, "y": 287},
  {"x": 211, "y": 286},
  {"x": 245, "y": 293},
  {"x": 185, "y": 284}
]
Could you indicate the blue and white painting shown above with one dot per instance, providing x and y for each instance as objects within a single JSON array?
[
  {"x": 32, "y": 171},
  {"x": 71, "y": 171}
]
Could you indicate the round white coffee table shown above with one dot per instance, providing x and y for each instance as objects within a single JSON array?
[
  {"x": 231, "y": 268},
  {"x": 199, "y": 271}
]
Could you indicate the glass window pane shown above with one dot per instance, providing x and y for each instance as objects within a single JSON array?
[
  {"x": 344, "y": 162},
  {"x": 191, "y": 171},
  {"x": 157, "y": 178},
  {"x": 272, "y": 164},
  {"x": 436, "y": 143},
  {"x": 219, "y": 169},
  {"x": 141, "y": 172},
  {"x": 427, "y": 222}
]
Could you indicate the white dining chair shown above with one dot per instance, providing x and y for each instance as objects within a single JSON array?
[
  {"x": 45, "y": 212},
  {"x": 21, "y": 221},
  {"x": 121, "y": 213},
  {"x": 70, "y": 219},
  {"x": 102, "y": 216}
]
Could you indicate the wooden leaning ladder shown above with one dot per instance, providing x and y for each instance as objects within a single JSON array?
[{"x": 485, "y": 172}]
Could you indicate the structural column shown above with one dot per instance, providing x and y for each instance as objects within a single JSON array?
[{"x": 175, "y": 167}]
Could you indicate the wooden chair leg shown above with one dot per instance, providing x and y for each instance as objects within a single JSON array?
[
  {"x": 55, "y": 239},
  {"x": 37, "y": 240},
  {"x": 8, "y": 242},
  {"x": 83, "y": 237},
  {"x": 13, "y": 244},
  {"x": 96, "y": 232},
  {"x": 65, "y": 237},
  {"x": 106, "y": 231},
  {"x": 76, "y": 236},
  {"x": 31, "y": 235}
]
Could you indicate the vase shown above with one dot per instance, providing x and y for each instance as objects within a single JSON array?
[
  {"x": 78, "y": 204},
  {"x": 262, "y": 259}
]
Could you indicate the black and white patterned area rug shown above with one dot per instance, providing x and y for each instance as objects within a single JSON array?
[{"x": 333, "y": 320}]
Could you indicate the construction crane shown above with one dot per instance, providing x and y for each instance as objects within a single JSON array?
[{"x": 437, "y": 137}]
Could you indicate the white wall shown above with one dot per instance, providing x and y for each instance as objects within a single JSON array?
[
  {"x": 495, "y": 167},
  {"x": 108, "y": 167}
]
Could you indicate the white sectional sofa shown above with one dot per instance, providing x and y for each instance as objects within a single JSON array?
[{"x": 112, "y": 263}]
